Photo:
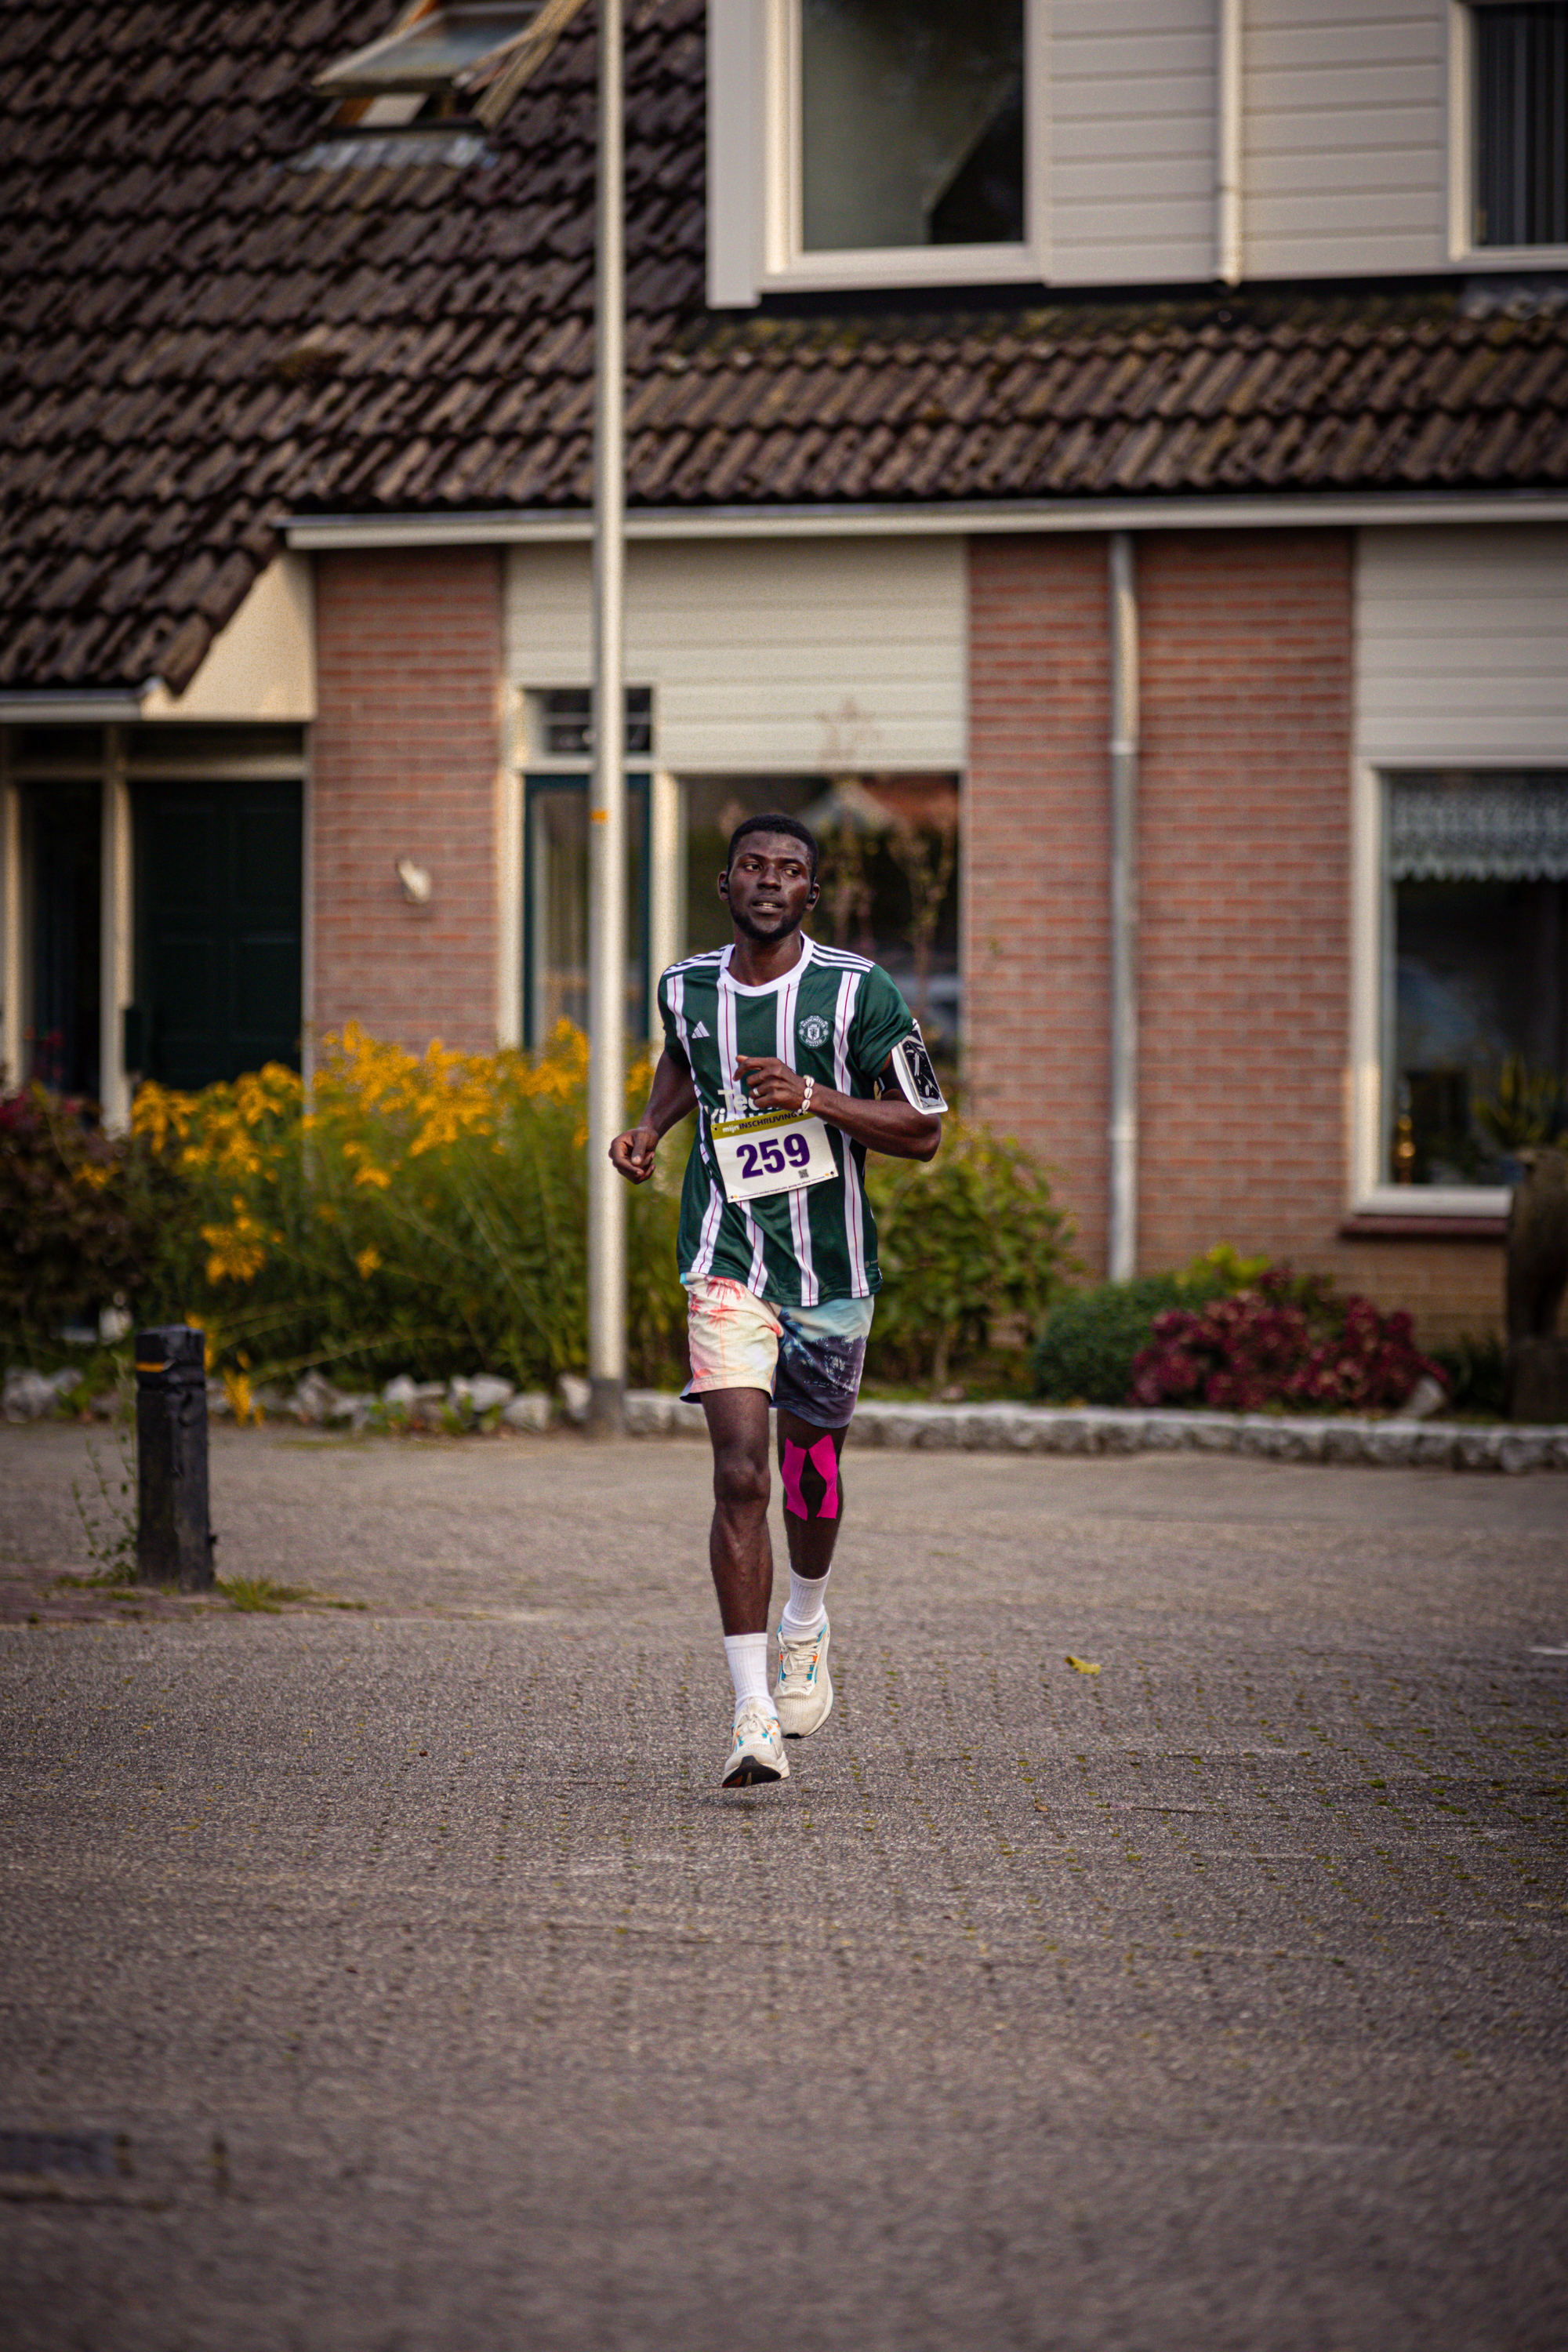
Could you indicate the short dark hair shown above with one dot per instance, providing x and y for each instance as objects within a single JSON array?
[{"x": 775, "y": 823}]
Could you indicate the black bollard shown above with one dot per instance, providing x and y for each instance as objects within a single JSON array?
[{"x": 173, "y": 1540}]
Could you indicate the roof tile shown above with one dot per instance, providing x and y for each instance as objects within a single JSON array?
[{"x": 197, "y": 337}]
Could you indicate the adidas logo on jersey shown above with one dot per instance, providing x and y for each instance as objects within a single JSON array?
[{"x": 701, "y": 1030}]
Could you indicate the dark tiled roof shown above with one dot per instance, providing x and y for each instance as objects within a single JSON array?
[{"x": 208, "y": 323}]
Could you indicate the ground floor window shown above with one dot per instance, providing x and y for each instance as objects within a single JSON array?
[
  {"x": 1476, "y": 972},
  {"x": 890, "y": 883},
  {"x": 890, "y": 874},
  {"x": 61, "y": 842},
  {"x": 555, "y": 894}
]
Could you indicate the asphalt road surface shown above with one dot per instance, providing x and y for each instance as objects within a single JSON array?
[{"x": 396, "y": 1974}]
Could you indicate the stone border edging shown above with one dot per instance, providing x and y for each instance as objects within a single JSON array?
[{"x": 1105, "y": 1429}]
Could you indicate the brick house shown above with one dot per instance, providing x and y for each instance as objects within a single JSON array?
[{"x": 933, "y": 317}]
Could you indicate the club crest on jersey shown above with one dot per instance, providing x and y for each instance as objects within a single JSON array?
[{"x": 813, "y": 1030}]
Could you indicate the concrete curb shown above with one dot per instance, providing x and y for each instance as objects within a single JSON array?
[{"x": 1052, "y": 1429}]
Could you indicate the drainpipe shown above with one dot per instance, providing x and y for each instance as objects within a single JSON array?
[
  {"x": 114, "y": 948},
  {"x": 1123, "y": 1252},
  {"x": 11, "y": 1072},
  {"x": 1227, "y": 146}
]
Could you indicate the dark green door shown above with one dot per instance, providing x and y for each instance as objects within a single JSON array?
[{"x": 217, "y": 929}]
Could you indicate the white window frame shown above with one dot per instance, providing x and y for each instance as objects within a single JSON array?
[
  {"x": 1462, "y": 247},
  {"x": 1372, "y": 952},
  {"x": 755, "y": 173}
]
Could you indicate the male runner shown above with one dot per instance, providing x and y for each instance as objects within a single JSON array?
[{"x": 796, "y": 1057}]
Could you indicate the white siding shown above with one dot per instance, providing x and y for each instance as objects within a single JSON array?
[
  {"x": 1132, "y": 141},
  {"x": 1462, "y": 647},
  {"x": 1345, "y": 132},
  {"x": 804, "y": 655}
]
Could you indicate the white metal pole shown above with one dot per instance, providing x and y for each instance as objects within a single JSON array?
[
  {"x": 1122, "y": 1251},
  {"x": 607, "y": 797}
]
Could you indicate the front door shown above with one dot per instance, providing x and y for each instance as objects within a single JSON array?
[{"x": 219, "y": 931}]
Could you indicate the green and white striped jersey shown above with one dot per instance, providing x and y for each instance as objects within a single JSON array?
[{"x": 833, "y": 1017}]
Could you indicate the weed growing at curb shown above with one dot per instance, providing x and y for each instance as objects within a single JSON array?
[
  {"x": 111, "y": 1540},
  {"x": 260, "y": 1593}
]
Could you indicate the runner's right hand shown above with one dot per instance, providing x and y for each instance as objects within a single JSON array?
[{"x": 631, "y": 1154}]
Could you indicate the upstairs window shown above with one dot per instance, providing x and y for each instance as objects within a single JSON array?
[
  {"x": 1520, "y": 131},
  {"x": 912, "y": 124},
  {"x": 858, "y": 144}
]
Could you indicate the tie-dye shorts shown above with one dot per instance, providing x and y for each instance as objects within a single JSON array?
[{"x": 809, "y": 1358}]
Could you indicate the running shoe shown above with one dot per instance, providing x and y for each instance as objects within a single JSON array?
[
  {"x": 758, "y": 1752},
  {"x": 804, "y": 1694}
]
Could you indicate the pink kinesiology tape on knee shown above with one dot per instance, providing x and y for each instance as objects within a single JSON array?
[
  {"x": 824, "y": 1461},
  {"x": 827, "y": 1462},
  {"x": 794, "y": 1464}
]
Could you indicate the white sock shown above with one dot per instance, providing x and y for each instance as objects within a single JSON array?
[
  {"x": 807, "y": 1606},
  {"x": 748, "y": 1656}
]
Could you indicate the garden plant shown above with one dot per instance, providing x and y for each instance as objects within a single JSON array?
[{"x": 427, "y": 1213}]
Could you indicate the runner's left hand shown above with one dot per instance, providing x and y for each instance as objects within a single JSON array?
[{"x": 771, "y": 1084}]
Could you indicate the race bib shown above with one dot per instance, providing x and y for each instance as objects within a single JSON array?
[{"x": 771, "y": 1151}]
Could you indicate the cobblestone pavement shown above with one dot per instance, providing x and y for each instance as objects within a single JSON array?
[{"x": 397, "y": 1977}]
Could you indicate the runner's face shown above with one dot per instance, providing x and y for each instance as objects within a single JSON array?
[{"x": 769, "y": 887}]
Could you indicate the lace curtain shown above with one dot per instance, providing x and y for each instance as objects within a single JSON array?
[{"x": 1503, "y": 827}]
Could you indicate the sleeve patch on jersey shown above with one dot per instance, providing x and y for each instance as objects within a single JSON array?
[{"x": 916, "y": 1079}]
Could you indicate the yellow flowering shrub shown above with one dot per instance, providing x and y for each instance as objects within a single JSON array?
[{"x": 418, "y": 1212}]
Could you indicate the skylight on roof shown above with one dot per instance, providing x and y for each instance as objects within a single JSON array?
[{"x": 428, "y": 54}]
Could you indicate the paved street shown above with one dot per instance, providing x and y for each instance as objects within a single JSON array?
[{"x": 402, "y": 1979}]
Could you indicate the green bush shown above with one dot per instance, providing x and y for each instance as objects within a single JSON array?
[
  {"x": 1476, "y": 1374},
  {"x": 969, "y": 1243},
  {"x": 84, "y": 1219},
  {"x": 1088, "y": 1340}
]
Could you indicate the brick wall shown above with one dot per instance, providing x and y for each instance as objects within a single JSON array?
[
  {"x": 1244, "y": 877},
  {"x": 403, "y": 763},
  {"x": 1037, "y": 843},
  {"x": 1244, "y": 874},
  {"x": 1453, "y": 1288}
]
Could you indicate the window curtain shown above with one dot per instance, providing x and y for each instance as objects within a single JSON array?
[{"x": 1479, "y": 828}]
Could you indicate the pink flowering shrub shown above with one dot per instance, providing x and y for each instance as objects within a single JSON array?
[{"x": 1286, "y": 1342}]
